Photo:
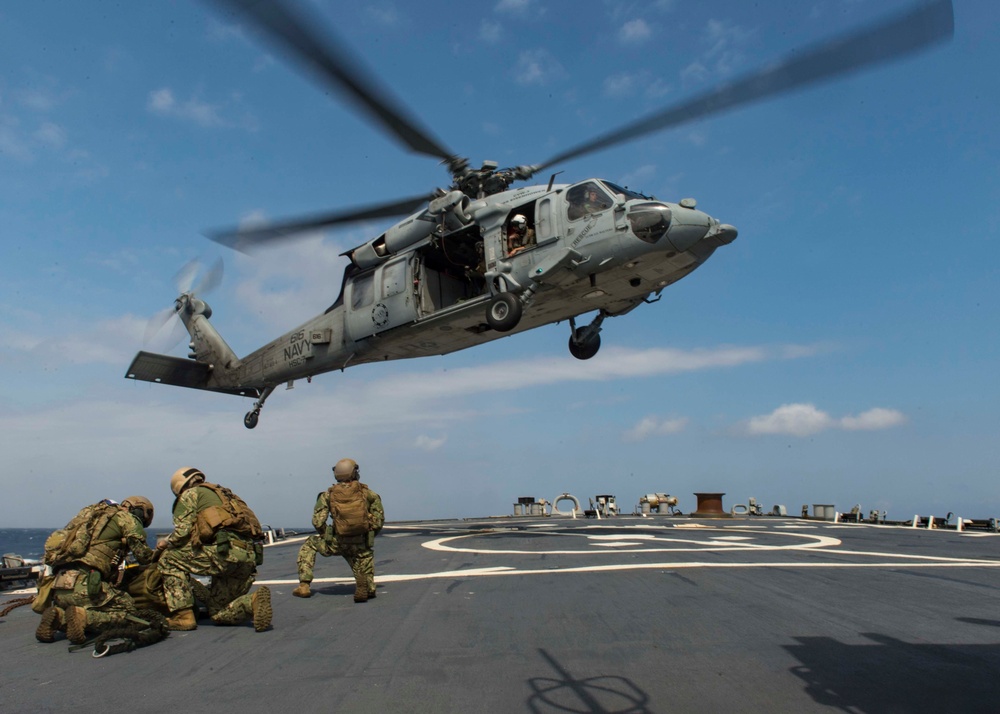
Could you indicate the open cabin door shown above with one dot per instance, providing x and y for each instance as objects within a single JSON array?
[
  {"x": 380, "y": 299},
  {"x": 546, "y": 221},
  {"x": 449, "y": 271}
]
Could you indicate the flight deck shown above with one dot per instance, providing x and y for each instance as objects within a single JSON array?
[{"x": 555, "y": 614}]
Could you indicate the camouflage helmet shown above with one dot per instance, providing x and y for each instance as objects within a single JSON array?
[
  {"x": 184, "y": 477},
  {"x": 345, "y": 470},
  {"x": 143, "y": 504}
]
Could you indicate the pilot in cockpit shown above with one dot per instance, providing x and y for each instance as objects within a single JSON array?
[{"x": 585, "y": 200}]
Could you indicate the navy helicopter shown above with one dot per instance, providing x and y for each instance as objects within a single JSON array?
[{"x": 483, "y": 259}]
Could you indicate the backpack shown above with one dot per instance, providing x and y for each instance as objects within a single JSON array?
[
  {"x": 349, "y": 508},
  {"x": 234, "y": 515},
  {"x": 72, "y": 542}
]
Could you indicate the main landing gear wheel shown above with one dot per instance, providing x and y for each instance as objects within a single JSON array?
[
  {"x": 250, "y": 420},
  {"x": 504, "y": 312},
  {"x": 584, "y": 350}
]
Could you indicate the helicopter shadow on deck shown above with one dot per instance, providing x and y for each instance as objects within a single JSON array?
[
  {"x": 598, "y": 695},
  {"x": 892, "y": 675}
]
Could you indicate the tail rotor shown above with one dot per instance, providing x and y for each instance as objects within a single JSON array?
[{"x": 192, "y": 279}]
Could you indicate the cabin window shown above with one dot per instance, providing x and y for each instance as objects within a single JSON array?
[{"x": 362, "y": 292}]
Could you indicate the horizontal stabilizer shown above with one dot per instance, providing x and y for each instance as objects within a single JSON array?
[{"x": 179, "y": 372}]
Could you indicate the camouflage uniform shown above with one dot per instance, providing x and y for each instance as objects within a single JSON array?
[
  {"x": 357, "y": 550},
  {"x": 229, "y": 560},
  {"x": 90, "y": 581}
]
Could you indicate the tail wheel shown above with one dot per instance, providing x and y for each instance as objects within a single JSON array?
[
  {"x": 504, "y": 312},
  {"x": 584, "y": 350},
  {"x": 250, "y": 420}
]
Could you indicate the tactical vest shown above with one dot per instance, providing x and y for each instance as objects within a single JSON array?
[
  {"x": 108, "y": 548},
  {"x": 232, "y": 514},
  {"x": 90, "y": 537},
  {"x": 349, "y": 508}
]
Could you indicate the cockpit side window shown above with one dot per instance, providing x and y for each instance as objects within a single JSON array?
[
  {"x": 626, "y": 192},
  {"x": 585, "y": 199}
]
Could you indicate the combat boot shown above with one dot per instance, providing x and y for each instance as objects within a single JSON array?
[
  {"x": 53, "y": 620},
  {"x": 76, "y": 624},
  {"x": 360, "y": 590},
  {"x": 302, "y": 590},
  {"x": 260, "y": 603},
  {"x": 182, "y": 620}
]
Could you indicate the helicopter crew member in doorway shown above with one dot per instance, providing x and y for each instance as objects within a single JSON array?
[
  {"x": 81, "y": 595},
  {"x": 215, "y": 534},
  {"x": 519, "y": 236},
  {"x": 357, "y": 516}
]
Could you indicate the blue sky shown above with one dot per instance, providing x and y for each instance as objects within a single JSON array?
[{"x": 842, "y": 350}]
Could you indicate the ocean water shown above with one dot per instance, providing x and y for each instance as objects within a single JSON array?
[{"x": 29, "y": 543}]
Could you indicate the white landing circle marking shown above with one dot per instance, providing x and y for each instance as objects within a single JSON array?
[{"x": 705, "y": 540}]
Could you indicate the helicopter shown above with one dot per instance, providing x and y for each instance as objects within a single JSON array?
[{"x": 483, "y": 258}]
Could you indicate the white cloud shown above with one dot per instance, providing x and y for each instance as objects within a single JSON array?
[
  {"x": 516, "y": 7},
  {"x": 635, "y": 32},
  {"x": 163, "y": 103},
  {"x": 873, "y": 420},
  {"x": 152, "y": 429},
  {"x": 639, "y": 176},
  {"x": 226, "y": 31},
  {"x": 694, "y": 73},
  {"x": 697, "y": 137},
  {"x": 611, "y": 363},
  {"x": 723, "y": 56},
  {"x": 284, "y": 293},
  {"x": 806, "y": 420},
  {"x": 51, "y": 134},
  {"x": 620, "y": 85},
  {"x": 537, "y": 67},
  {"x": 639, "y": 83},
  {"x": 17, "y": 341},
  {"x": 654, "y": 426},
  {"x": 12, "y": 141},
  {"x": 726, "y": 43},
  {"x": 111, "y": 341},
  {"x": 37, "y": 99},
  {"x": 791, "y": 419},
  {"x": 656, "y": 89},
  {"x": 428, "y": 444},
  {"x": 383, "y": 14},
  {"x": 490, "y": 31}
]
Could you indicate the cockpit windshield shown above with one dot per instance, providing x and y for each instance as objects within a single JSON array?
[
  {"x": 587, "y": 198},
  {"x": 627, "y": 192}
]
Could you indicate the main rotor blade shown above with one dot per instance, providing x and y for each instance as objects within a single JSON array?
[
  {"x": 301, "y": 39},
  {"x": 246, "y": 239},
  {"x": 906, "y": 34}
]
